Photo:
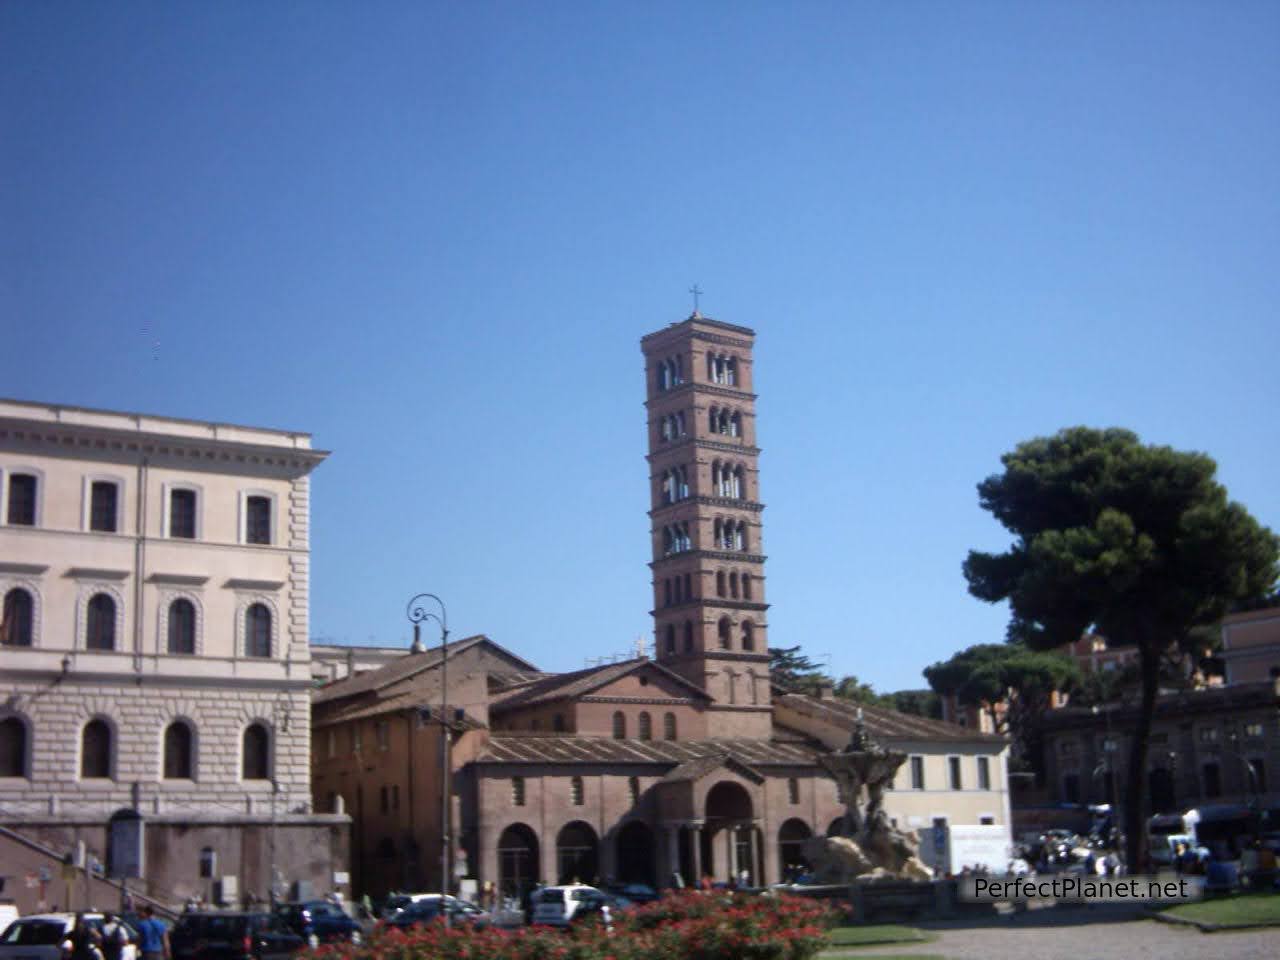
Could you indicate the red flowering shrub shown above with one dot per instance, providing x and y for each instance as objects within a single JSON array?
[{"x": 681, "y": 926}]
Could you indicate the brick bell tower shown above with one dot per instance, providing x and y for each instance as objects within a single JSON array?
[{"x": 708, "y": 561}]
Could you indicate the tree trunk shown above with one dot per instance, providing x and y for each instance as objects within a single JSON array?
[{"x": 1135, "y": 823}]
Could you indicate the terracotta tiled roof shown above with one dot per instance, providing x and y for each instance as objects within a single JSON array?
[
  {"x": 692, "y": 770},
  {"x": 516, "y": 678},
  {"x": 401, "y": 669},
  {"x": 561, "y": 686},
  {"x": 594, "y": 750},
  {"x": 881, "y": 722},
  {"x": 407, "y": 700}
]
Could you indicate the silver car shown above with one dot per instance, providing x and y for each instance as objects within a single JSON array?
[{"x": 49, "y": 936}]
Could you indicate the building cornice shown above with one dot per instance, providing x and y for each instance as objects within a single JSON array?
[
  {"x": 724, "y": 655},
  {"x": 720, "y": 603},
  {"x": 177, "y": 580},
  {"x": 95, "y": 573},
  {"x": 691, "y": 326},
  {"x": 101, "y": 442},
  {"x": 652, "y": 701},
  {"x": 680, "y": 443},
  {"x": 724, "y": 503},
  {"x": 709, "y": 555},
  {"x": 23, "y": 569},
  {"x": 709, "y": 389}
]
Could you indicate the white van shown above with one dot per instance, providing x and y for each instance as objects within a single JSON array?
[{"x": 557, "y": 906}]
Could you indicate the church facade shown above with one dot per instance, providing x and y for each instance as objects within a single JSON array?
[{"x": 685, "y": 764}]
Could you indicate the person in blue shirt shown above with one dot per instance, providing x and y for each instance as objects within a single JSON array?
[{"x": 153, "y": 936}]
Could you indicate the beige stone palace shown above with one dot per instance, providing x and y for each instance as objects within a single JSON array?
[
  {"x": 689, "y": 761},
  {"x": 154, "y": 654}
]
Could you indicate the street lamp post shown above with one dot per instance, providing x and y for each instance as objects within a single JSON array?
[
  {"x": 1107, "y": 767},
  {"x": 417, "y": 613}
]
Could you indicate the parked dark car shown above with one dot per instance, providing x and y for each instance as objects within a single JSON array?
[
  {"x": 423, "y": 912},
  {"x": 319, "y": 921},
  {"x": 232, "y": 936},
  {"x": 635, "y": 892},
  {"x": 593, "y": 905}
]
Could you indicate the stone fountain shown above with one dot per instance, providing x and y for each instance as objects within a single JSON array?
[{"x": 868, "y": 847}]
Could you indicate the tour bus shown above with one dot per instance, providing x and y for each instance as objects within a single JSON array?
[{"x": 1222, "y": 828}]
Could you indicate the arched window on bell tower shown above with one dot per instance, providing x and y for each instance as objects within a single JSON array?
[
  {"x": 671, "y": 638},
  {"x": 688, "y": 636},
  {"x": 719, "y": 573},
  {"x": 746, "y": 586},
  {"x": 748, "y": 635},
  {"x": 722, "y": 631},
  {"x": 733, "y": 585}
]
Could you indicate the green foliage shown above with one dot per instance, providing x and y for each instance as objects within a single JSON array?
[
  {"x": 920, "y": 703},
  {"x": 1139, "y": 543},
  {"x": 680, "y": 926},
  {"x": 1133, "y": 540},
  {"x": 795, "y": 671},
  {"x": 1013, "y": 684},
  {"x": 792, "y": 669}
]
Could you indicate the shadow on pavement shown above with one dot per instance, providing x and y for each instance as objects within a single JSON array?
[{"x": 1043, "y": 915}]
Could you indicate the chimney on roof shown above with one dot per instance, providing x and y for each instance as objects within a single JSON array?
[
  {"x": 826, "y": 691},
  {"x": 417, "y": 640}
]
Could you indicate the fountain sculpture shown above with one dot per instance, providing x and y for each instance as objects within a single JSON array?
[{"x": 868, "y": 847}]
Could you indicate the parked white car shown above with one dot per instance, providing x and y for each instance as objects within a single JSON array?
[
  {"x": 557, "y": 906},
  {"x": 49, "y": 936}
]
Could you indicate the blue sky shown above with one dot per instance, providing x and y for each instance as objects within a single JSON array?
[{"x": 433, "y": 234}]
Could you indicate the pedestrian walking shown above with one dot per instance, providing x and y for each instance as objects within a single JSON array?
[{"x": 153, "y": 936}]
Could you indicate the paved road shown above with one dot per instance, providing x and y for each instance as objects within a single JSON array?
[{"x": 1101, "y": 932}]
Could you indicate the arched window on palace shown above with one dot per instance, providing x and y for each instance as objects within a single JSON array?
[
  {"x": 18, "y": 619},
  {"x": 178, "y": 750},
  {"x": 257, "y": 631},
  {"x": 619, "y": 725},
  {"x": 182, "y": 626},
  {"x": 646, "y": 726},
  {"x": 95, "y": 751},
  {"x": 577, "y": 794},
  {"x": 100, "y": 623},
  {"x": 669, "y": 726},
  {"x": 256, "y": 753}
]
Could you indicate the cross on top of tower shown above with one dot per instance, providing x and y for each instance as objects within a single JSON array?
[{"x": 697, "y": 293}]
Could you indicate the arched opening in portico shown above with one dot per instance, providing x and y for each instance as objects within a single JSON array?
[
  {"x": 636, "y": 850},
  {"x": 729, "y": 847},
  {"x": 577, "y": 854},
  {"x": 792, "y": 836},
  {"x": 517, "y": 860}
]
